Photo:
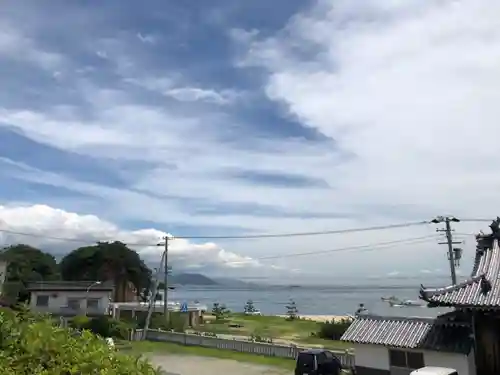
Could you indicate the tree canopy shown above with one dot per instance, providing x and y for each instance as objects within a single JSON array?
[
  {"x": 27, "y": 264},
  {"x": 107, "y": 261}
]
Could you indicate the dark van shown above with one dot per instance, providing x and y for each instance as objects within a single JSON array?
[{"x": 317, "y": 362}]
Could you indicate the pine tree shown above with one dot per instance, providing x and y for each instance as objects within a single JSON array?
[
  {"x": 249, "y": 307},
  {"x": 219, "y": 311},
  {"x": 291, "y": 310}
]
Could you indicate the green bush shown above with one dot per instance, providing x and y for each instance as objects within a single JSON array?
[
  {"x": 333, "y": 330},
  {"x": 103, "y": 326},
  {"x": 178, "y": 322},
  {"x": 80, "y": 322},
  {"x": 33, "y": 345}
]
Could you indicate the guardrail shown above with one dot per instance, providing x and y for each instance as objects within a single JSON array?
[{"x": 271, "y": 350}]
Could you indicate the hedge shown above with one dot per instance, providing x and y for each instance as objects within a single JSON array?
[
  {"x": 32, "y": 345},
  {"x": 103, "y": 326}
]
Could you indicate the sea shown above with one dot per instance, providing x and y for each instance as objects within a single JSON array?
[{"x": 310, "y": 300}]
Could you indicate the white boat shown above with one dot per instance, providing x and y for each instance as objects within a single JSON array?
[
  {"x": 396, "y": 302},
  {"x": 254, "y": 313},
  {"x": 407, "y": 303}
]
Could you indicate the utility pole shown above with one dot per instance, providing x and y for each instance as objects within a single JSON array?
[
  {"x": 449, "y": 241},
  {"x": 165, "y": 281},
  {"x": 152, "y": 299}
]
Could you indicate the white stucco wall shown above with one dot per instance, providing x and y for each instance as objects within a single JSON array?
[
  {"x": 58, "y": 300},
  {"x": 460, "y": 362},
  {"x": 3, "y": 273},
  {"x": 374, "y": 356},
  {"x": 377, "y": 356}
]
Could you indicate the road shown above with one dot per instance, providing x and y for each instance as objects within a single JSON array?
[{"x": 191, "y": 365}]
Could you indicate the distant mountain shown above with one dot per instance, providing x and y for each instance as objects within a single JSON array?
[
  {"x": 191, "y": 279},
  {"x": 233, "y": 282}
]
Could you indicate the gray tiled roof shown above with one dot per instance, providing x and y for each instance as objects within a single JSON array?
[
  {"x": 482, "y": 289},
  {"x": 68, "y": 285},
  {"x": 410, "y": 333}
]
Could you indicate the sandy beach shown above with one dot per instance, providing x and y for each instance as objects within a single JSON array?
[{"x": 321, "y": 318}]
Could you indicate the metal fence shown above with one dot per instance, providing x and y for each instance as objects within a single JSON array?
[{"x": 270, "y": 350}]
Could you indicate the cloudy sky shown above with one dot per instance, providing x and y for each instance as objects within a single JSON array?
[{"x": 128, "y": 120}]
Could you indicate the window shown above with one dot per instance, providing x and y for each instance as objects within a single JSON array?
[
  {"x": 321, "y": 358},
  {"x": 410, "y": 360},
  {"x": 305, "y": 361},
  {"x": 415, "y": 360},
  {"x": 397, "y": 358},
  {"x": 93, "y": 303},
  {"x": 329, "y": 355},
  {"x": 74, "y": 303},
  {"x": 42, "y": 301}
]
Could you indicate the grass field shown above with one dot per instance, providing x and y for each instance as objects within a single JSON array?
[
  {"x": 278, "y": 328},
  {"x": 143, "y": 347}
]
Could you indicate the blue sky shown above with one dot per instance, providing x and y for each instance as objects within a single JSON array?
[{"x": 223, "y": 117}]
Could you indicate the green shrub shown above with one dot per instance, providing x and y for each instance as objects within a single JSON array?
[
  {"x": 103, "y": 326},
  {"x": 178, "y": 322},
  {"x": 33, "y": 345},
  {"x": 80, "y": 322},
  {"x": 108, "y": 327},
  {"x": 333, "y": 330}
]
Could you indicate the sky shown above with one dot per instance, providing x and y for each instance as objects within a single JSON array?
[{"x": 125, "y": 120}]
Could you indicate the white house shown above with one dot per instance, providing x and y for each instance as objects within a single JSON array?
[
  {"x": 3, "y": 274},
  {"x": 398, "y": 345},
  {"x": 70, "y": 298}
]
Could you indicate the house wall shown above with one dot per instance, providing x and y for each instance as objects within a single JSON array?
[
  {"x": 374, "y": 360},
  {"x": 371, "y": 360},
  {"x": 461, "y": 363},
  {"x": 58, "y": 302},
  {"x": 472, "y": 363},
  {"x": 3, "y": 274}
]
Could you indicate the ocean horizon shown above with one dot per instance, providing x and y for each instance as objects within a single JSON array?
[{"x": 310, "y": 299}]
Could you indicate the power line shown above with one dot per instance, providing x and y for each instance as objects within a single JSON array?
[
  {"x": 299, "y": 234},
  {"x": 35, "y": 235},
  {"x": 255, "y": 236},
  {"x": 368, "y": 247},
  {"x": 476, "y": 220}
]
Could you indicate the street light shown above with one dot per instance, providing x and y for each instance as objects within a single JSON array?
[{"x": 87, "y": 294}]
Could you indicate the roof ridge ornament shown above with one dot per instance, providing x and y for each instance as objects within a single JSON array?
[
  {"x": 495, "y": 227},
  {"x": 485, "y": 284}
]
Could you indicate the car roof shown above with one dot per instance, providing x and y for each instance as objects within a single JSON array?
[
  {"x": 429, "y": 370},
  {"x": 314, "y": 351}
]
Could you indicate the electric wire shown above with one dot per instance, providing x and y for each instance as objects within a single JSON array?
[
  {"x": 251, "y": 236},
  {"x": 318, "y": 233},
  {"x": 476, "y": 220},
  {"x": 360, "y": 248}
]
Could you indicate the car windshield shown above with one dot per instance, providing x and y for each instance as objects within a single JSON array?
[{"x": 305, "y": 360}]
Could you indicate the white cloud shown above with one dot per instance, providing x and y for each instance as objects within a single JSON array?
[
  {"x": 195, "y": 94},
  {"x": 174, "y": 87},
  {"x": 102, "y": 54},
  {"x": 147, "y": 38},
  {"x": 18, "y": 47},
  {"x": 47, "y": 224},
  {"x": 409, "y": 88},
  {"x": 413, "y": 117}
]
